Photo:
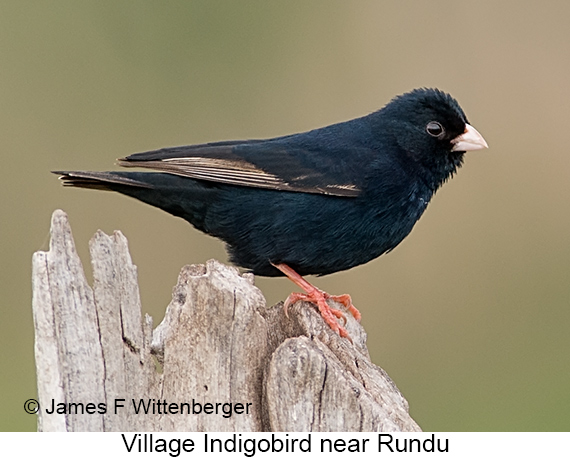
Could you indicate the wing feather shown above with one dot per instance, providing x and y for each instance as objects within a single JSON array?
[{"x": 234, "y": 163}]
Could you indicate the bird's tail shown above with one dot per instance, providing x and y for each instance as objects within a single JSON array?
[
  {"x": 177, "y": 195},
  {"x": 100, "y": 180}
]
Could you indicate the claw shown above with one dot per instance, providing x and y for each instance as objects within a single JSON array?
[
  {"x": 319, "y": 298},
  {"x": 347, "y": 302}
]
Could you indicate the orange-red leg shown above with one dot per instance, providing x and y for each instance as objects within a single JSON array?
[{"x": 319, "y": 298}]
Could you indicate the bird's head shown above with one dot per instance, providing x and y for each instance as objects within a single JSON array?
[{"x": 431, "y": 128}]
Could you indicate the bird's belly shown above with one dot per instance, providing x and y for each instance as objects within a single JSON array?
[{"x": 312, "y": 234}]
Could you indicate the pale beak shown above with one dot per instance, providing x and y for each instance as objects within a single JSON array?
[{"x": 470, "y": 140}]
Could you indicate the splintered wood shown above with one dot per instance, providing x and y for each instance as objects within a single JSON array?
[{"x": 219, "y": 361}]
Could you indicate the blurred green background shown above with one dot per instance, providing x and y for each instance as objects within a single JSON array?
[{"x": 469, "y": 316}]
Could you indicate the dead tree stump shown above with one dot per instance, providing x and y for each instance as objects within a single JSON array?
[{"x": 99, "y": 362}]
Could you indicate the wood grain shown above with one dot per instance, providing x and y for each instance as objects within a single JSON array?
[{"x": 218, "y": 347}]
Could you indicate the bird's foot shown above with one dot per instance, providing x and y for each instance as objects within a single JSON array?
[
  {"x": 319, "y": 298},
  {"x": 345, "y": 300}
]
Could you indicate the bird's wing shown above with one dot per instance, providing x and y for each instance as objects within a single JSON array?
[{"x": 279, "y": 164}]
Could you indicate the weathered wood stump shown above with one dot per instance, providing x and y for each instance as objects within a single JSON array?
[{"x": 99, "y": 362}]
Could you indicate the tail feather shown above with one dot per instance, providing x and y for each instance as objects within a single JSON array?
[
  {"x": 100, "y": 180},
  {"x": 183, "y": 197}
]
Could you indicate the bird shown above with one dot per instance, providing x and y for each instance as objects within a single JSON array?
[{"x": 310, "y": 203}]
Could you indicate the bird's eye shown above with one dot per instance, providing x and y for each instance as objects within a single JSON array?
[{"x": 435, "y": 129}]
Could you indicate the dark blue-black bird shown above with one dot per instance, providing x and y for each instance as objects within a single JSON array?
[{"x": 310, "y": 203}]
